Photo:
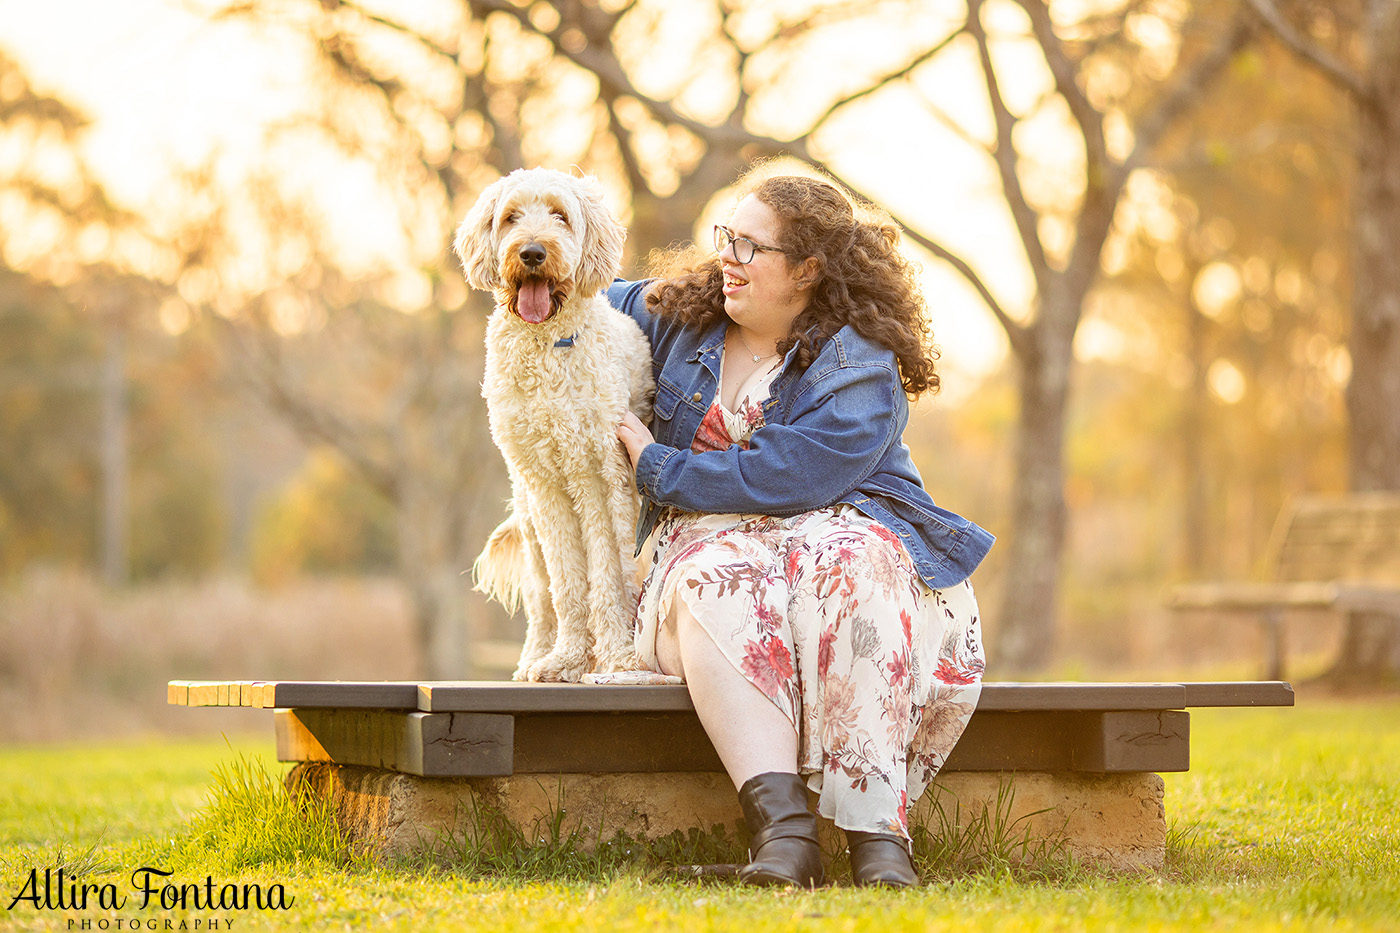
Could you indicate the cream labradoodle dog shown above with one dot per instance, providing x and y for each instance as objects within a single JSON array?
[{"x": 561, "y": 368}]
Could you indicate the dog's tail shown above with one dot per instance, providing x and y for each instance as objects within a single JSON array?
[{"x": 500, "y": 567}]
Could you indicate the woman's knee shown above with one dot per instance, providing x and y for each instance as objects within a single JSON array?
[
  {"x": 678, "y": 628},
  {"x": 842, "y": 546},
  {"x": 668, "y": 648}
]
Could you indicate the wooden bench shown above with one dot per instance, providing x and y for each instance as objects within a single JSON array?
[
  {"x": 1338, "y": 553},
  {"x": 403, "y": 761}
]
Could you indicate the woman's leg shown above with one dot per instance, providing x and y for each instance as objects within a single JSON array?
[
  {"x": 758, "y": 747},
  {"x": 750, "y": 733},
  {"x": 854, "y": 592}
]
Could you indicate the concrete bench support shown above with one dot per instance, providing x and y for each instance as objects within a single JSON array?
[
  {"x": 407, "y": 765},
  {"x": 1117, "y": 821}
]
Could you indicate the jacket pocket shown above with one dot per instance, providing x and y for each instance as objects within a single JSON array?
[{"x": 667, "y": 400}]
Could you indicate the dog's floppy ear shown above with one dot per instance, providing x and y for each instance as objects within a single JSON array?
[
  {"x": 475, "y": 244},
  {"x": 603, "y": 237}
]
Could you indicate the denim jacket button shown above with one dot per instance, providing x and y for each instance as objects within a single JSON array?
[{"x": 696, "y": 397}]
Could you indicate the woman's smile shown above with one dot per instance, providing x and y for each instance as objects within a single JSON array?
[{"x": 733, "y": 282}]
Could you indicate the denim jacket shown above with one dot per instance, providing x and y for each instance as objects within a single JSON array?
[{"x": 831, "y": 434}]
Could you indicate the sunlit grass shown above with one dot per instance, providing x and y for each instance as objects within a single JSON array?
[{"x": 1287, "y": 821}]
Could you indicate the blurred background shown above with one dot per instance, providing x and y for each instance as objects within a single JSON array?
[{"x": 241, "y": 434}]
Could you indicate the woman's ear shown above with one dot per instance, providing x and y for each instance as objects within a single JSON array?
[
  {"x": 475, "y": 243},
  {"x": 808, "y": 273}
]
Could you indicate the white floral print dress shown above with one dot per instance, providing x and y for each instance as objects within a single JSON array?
[{"x": 825, "y": 614}]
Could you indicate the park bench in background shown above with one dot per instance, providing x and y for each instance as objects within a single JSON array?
[
  {"x": 1338, "y": 553},
  {"x": 405, "y": 762}
]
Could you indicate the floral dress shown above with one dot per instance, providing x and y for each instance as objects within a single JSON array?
[{"x": 825, "y": 614}]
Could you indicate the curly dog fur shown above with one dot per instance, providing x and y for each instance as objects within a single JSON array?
[{"x": 561, "y": 368}]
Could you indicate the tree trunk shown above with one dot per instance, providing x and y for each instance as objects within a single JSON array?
[
  {"x": 116, "y": 509},
  {"x": 1195, "y": 505},
  {"x": 433, "y": 573},
  {"x": 1373, "y": 396},
  {"x": 1371, "y": 646},
  {"x": 1026, "y": 625}
]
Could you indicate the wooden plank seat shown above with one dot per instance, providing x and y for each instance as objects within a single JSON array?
[
  {"x": 496, "y": 729},
  {"x": 402, "y": 761},
  {"x": 1334, "y": 553}
]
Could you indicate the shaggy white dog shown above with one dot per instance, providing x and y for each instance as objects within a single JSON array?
[{"x": 561, "y": 368}]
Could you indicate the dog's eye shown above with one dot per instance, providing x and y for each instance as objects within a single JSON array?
[
  {"x": 511, "y": 218},
  {"x": 563, "y": 217}
]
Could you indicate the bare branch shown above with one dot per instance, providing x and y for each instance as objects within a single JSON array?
[
  {"x": 1066, "y": 73},
  {"x": 608, "y": 71},
  {"x": 1015, "y": 332},
  {"x": 504, "y": 134},
  {"x": 742, "y": 57},
  {"x": 418, "y": 37},
  {"x": 1333, "y": 68},
  {"x": 636, "y": 179},
  {"x": 1025, "y": 217},
  {"x": 889, "y": 78},
  {"x": 808, "y": 21},
  {"x": 1100, "y": 30},
  {"x": 1185, "y": 90},
  {"x": 264, "y": 372},
  {"x": 956, "y": 128}
]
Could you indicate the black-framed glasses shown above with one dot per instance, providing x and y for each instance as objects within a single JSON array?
[{"x": 744, "y": 248}]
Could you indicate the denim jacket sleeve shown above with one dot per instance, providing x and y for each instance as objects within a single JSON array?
[{"x": 843, "y": 420}]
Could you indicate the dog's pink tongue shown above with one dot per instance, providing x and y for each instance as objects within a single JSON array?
[{"x": 533, "y": 300}]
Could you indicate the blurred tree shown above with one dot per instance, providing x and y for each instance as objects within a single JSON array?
[
  {"x": 52, "y": 365},
  {"x": 1124, "y": 74},
  {"x": 326, "y": 520},
  {"x": 58, "y": 473},
  {"x": 49, "y": 471},
  {"x": 100, "y": 458},
  {"x": 439, "y": 108},
  {"x": 1355, "y": 45},
  {"x": 671, "y": 102},
  {"x": 1228, "y": 287}
]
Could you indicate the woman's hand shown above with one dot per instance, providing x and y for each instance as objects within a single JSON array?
[{"x": 634, "y": 436}]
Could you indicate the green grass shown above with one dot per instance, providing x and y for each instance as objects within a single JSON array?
[{"x": 1288, "y": 820}]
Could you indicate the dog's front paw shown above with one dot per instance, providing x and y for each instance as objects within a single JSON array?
[
  {"x": 559, "y": 668},
  {"x": 528, "y": 659},
  {"x": 620, "y": 661}
]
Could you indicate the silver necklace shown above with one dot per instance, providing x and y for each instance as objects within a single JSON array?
[{"x": 756, "y": 358}]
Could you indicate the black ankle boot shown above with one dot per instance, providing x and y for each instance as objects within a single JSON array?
[
  {"x": 784, "y": 847},
  {"x": 880, "y": 858}
]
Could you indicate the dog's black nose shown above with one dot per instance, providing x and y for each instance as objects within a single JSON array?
[{"x": 532, "y": 255}]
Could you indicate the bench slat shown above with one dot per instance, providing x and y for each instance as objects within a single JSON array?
[
  {"x": 344, "y": 694},
  {"x": 509, "y": 697},
  {"x": 1110, "y": 741},
  {"x": 1241, "y": 693},
  {"x": 486, "y": 745},
  {"x": 1077, "y": 696},
  {"x": 602, "y": 742},
  {"x": 512, "y": 697},
  {"x": 522, "y": 697},
  {"x": 425, "y": 744},
  {"x": 1255, "y": 597}
]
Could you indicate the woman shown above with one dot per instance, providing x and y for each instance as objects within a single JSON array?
[{"x": 798, "y": 576}]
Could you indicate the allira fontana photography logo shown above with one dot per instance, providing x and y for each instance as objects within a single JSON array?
[{"x": 149, "y": 889}]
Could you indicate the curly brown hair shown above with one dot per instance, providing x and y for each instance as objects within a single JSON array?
[{"x": 862, "y": 279}]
